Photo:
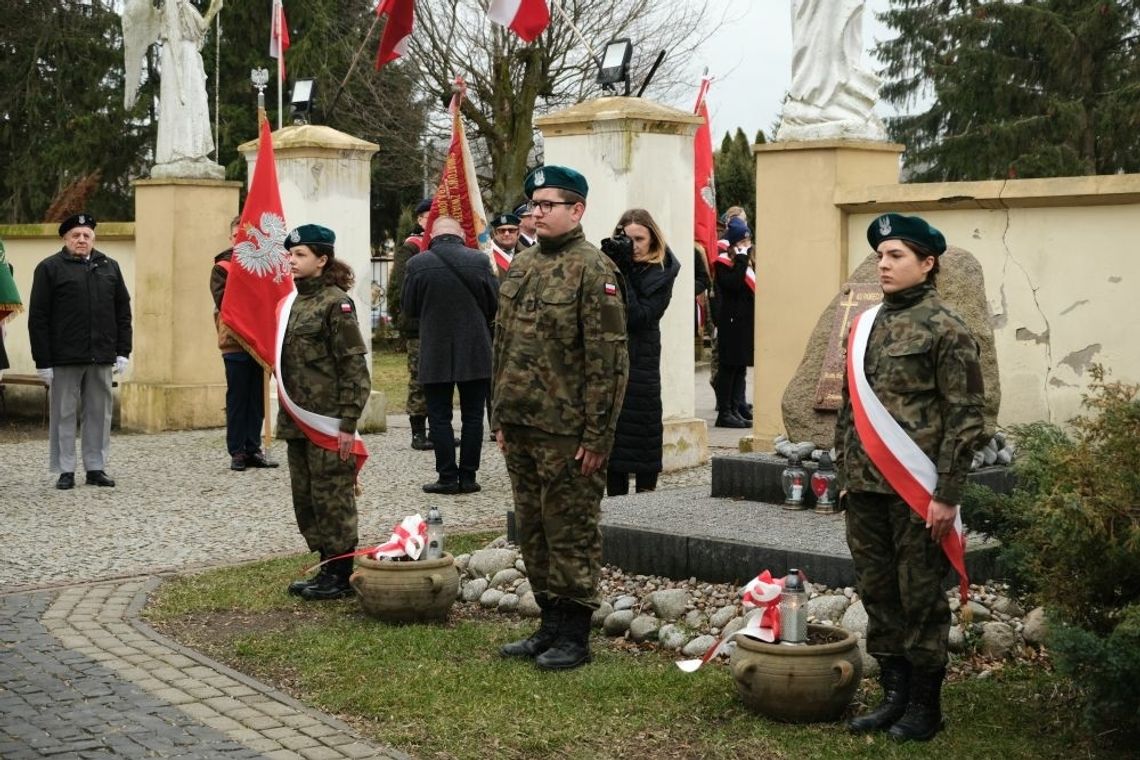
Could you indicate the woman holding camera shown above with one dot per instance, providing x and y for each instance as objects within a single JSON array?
[{"x": 649, "y": 269}]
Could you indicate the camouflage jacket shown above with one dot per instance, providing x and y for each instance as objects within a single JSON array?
[
  {"x": 323, "y": 361},
  {"x": 560, "y": 359},
  {"x": 409, "y": 327},
  {"x": 922, "y": 363}
]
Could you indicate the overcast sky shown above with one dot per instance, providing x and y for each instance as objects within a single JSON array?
[{"x": 751, "y": 59}]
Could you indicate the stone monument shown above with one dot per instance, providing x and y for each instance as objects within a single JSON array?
[
  {"x": 831, "y": 97},
  {"x": 184, "y": 140},
  {"x": 808, "y": 405}
]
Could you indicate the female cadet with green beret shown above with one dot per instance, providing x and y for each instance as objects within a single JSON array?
[{"x": 324, "y": 370}]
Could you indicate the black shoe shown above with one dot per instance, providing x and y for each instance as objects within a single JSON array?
[
  {"x": 99, "y": 478},
  {"x": 572, "y": 647},
  {"x": 237, "y": 462},
  {"x": 66, "y": 481},
  {"x": 420, "y": 442},
  {"x": 257, "y": 459},
  {"x": 334, "y": 585},
  {"x": 540, "y": 640},
  {"x": 894, "y": 677},
  {"x": 744, "y": 411},
  {"x": 297, "y": 587},
  {"x": 730, "y": 420},
  {"x": 923, "y": 716},
  {"x": 471, "y": 487},
  {"x": 446, "y": 487}
]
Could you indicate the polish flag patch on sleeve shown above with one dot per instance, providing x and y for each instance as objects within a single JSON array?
[
  {"x": 346, "y": 308},
  {"x": 611, "y": 289}
]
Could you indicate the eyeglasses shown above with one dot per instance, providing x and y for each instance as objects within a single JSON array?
[{"x": 547, "y": 206}]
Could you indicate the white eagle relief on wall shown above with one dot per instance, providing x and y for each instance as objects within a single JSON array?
[
  {"x": 184, "y": 141},
  {"x": 831, "y": 96}
]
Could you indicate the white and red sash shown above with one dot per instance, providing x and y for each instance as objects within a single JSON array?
[
  {"x": 502, "y": 258},
  {"x": 725, "y": 256},
  {"x": 318, "y": 428},
  {"x": 905, "y": 466}
]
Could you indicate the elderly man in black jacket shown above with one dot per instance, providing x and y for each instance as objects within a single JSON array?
[
  {"x": 79, "y": 322},
  {"x": 453, "y": 292}
]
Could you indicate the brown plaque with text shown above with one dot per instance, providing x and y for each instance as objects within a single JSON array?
[{"x": 857, "y": 298}]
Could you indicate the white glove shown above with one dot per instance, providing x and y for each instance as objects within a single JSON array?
[
  {"x": 46, "y": 375},
  {"x": 121, "y": 363}
]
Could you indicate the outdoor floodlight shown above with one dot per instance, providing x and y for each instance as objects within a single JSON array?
[
  {"x": 303, "y": 99},
  {"x": 614, "y": 66}
]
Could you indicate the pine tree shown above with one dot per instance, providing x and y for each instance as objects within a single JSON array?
[
  {"x": 735, "y": 170},
  {"x": 1035, "y": 88}
]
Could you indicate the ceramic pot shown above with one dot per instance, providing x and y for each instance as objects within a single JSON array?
[
  {"x": 808, "y": 683},
  {"x": 406, "y": 592}
]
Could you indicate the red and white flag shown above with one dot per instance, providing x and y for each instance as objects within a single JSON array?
[
  {"x": 458, "y": 193},
  {"x": 397, "y": 31},
  {"x": 258, "y": 276},
  {"x": 704, "y": 195},
  {"x": 279, "y": 37},
  {"x": 526, "y": 18},
  {"x": 894, "y": 453}
]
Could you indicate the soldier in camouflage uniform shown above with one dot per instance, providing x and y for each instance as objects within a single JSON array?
[
  {"x": 922, "y": 363},
  {"x": 409, "y": 327},
  {"x": 560, "y": 369},
  {"x": 324, "y": 368}
]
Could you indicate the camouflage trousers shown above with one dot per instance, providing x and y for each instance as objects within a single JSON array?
[
  {"x": 557, "y": 511},
  {"x": 323, "y": 499},
  {"x": 900, "y": 572},
  {"x": 417, "y": 402}
]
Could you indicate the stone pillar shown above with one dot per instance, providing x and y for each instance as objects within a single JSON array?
[
  {"x": 801, "y": 253},
  {"x": 639, "y": 154},
  {"x": 176, "y": 379},
  {"x": 325, "y": 178}
]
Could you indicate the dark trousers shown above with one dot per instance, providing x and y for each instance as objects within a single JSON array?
[
  {"x": 244, "y": 403},
  {"x": 730, "y": 387},
  {"x": 617, "y": 483},
  {"x": 472, "y": 397}
]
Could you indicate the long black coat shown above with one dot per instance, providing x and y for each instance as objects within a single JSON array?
[
  {"x": 735, "y": 313},
  {"x": 637, "y": 444}
]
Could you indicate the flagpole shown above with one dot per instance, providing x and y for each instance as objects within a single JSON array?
[
  {"x": 280, "y": 72},
  {"x": 352, "y": 65},
  {"x": 557, "y": 4}
]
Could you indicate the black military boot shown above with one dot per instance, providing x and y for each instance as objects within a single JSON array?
[
  {"x": 334, "y": 585},
  {"x": 923, "y": 716},
  {"x": 894, "y": 676},
  {"x": 572, "y": 647},
  {"x": 420, "y": 441},
  {"x": 540, "y": 640},
  {"x": 296, "y": 587}
]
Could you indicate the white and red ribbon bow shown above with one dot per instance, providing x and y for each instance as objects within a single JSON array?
[{"x": 408, "y": 539}]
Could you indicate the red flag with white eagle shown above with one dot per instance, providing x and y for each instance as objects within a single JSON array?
[
  {"x": 397, "y": 31},
  {"x": 704, "y": 196},
  {"x": 279, "y": 37},
  {"x": 259, "y": 275},
  {"x": 526, "y": 18},
  {"x": 458, "y": 194}
]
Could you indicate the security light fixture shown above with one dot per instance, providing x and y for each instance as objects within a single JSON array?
[
  {"x": 303, "y": 100},
  {"x": 614, "y": 66}
]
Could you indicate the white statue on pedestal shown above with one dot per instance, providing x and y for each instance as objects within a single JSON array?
[
  {"x": 184, "y": 140},
  {"x": 832, "y": 96}
]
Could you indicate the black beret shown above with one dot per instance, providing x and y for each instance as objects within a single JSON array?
[
  {"x": 310, "y": 234},
  {"x": 423, "y": 206},
  {"x": 562, "y": 177},
  {"x": 523, "y": 210},
  {"x": 76, "y": 220},
  {"x": 504, "y": 219},
  {"x": 912, "y": 229}
]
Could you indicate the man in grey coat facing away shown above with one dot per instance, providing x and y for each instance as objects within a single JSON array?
[{"x": 453, "y": 292}]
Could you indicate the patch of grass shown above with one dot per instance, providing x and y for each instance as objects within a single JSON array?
[
  {"x": 390, "y": 375},
  {"x": 443, "y": 691}
]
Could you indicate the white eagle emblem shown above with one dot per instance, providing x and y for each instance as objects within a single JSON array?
[
  {"x": 539, "y": 178},
  {"x": 884, "y": 225},
  {"x": 263, "y": 251},
  {"x": 708, "y": 193}
]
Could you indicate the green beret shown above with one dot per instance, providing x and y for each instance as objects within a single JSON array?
[
  {"x": 76, "y": 220},
  {"x": 562, "y": 177},
  {"x": 912, "y": 229},
  {"x": 504, "y": 220},
  {"x": 310, "y": 234}
]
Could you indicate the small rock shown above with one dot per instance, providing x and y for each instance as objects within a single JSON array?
[
  {"x": 855, "y": 618},
  {"x": 474, "y": 589},
  {"x": 600, "y": 614},
  {"x": 643, "y": 628},
  {"x": 979, "y": 611},
  {"x": 461, "y": 563},
  {"x": 698, "y": 646},
  {"x": 694, "y": 620},
  {"x": 732, "y": 627},
  {"x": 626, "y": 602},
  {"x": 1005, "y": 456},
  {"x": 998, "y": 640},
  {"x": 955, "y": 603},
  {"x": 490, "y": 598},
  {"x": 672, "y": 636},
  {"x": 1036, "y": 628},
  {"x": 505, "y": 578},
  {"x": 849, "y": 592},
  {"x": 1006, "y": 606},
  {"x": 487, "y": 562},
  {"x": 804, "y": 450},
  {"x": 523, "y": 588},
  {"x": 669, "y": 604},
  {"x": 617, "y": 622},
  {"x": 520, "y": 566},
  {"x": 828, "y": 607},
  {"x": 989, "y": 456},
  {"x": 508, "y": 603},
  {"x": 720, "y": 618},
  {"x": 957, "y": 641},
  {"x": 528, "y": 605}
]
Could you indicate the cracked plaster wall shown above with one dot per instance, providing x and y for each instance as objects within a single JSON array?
[{"x": 1062, "y": 291}]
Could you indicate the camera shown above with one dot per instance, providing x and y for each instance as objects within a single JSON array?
[{"x": 619, "y": 248}]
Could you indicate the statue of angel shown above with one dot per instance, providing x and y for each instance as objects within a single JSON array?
[
  {"x": 184, "y": 139},
  {"x": 831, "y": 95}
]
